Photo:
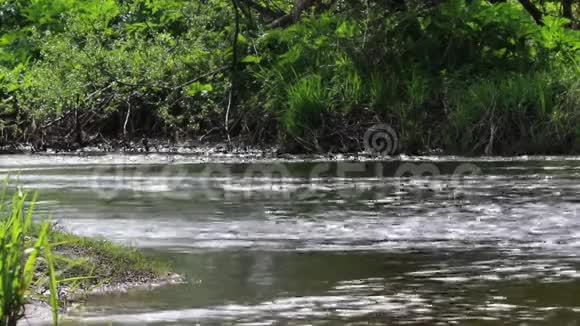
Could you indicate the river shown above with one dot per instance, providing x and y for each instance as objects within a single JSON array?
[{"x": 411, "y": 241}]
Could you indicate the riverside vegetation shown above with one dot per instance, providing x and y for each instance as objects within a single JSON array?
[
  {"x": 19, "y": 259},
  {"x": 465, "y": 76},
  {"x": 41, "y": 263}
]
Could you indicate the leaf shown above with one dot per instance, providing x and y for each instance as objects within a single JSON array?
[
  {"x": 346, "y": 30},
  {"x": 197, "y": 87},
  {"x": 52, "y": 277},
  {"x": 242, "y": 39},
  {"x": 252, "y": 59}
]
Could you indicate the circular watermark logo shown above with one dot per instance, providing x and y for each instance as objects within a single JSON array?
[{"x": 381, "y": 139}]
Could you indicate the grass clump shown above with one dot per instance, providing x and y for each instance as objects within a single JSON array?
[
  {"x": 307, "y": 102},
  {"x": 20, "y": 258},
  {"x": 106, "y": 262},
  {"x": 530, "y": 109}
]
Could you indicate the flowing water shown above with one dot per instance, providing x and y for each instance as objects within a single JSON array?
[{"x": 418, "y": 241}]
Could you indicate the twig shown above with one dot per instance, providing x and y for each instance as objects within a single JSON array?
[
  {"x": 98, "y": 91},
  {"x": 143, "y": 85},
  {"x": 294, "y": 15},
  {"x": 265, "y": 11},
  {"x": 196, "y": 79},
  {"x": 127, "y": 118},
  {"x": 208, "y": 133}
]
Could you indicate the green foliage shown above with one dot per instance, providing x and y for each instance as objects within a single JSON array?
[
  {"x": 307, "y": 101},
  {"x": 19, "y": 259},
  {"x": 535, "y": 106},
  {"x": 113, "y": 57},
  {"x": 164, "y": 68},
  {"x": 306, "y": 73},
  {"x": 474, "y": 54}
]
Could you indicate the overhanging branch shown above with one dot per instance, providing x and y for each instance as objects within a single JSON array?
[
  {"x": 294, "y": 15},
  {"x": 533, "y": 11},
  {"x": 263, "y": 10}
]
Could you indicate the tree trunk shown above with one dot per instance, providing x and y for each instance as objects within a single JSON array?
[{"x": 567, "y": 9}]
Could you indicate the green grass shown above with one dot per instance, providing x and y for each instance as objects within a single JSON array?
[
  {"x": 535, "y": 108},
  {"x": 20, "y": 258},
  {"x": 104, "y": 261},
  {"x": 307, "y": 101}
]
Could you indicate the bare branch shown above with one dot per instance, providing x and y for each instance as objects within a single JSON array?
[
  {"x": 533, "y": 11},
  {"x": 264, "y": 11},
  {"x": 294, "y": 16}
]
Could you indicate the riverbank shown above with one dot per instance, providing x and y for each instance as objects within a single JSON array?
[
  {"x": 244, "y": 150},
  {"x": 369, "y": 139},
  {"x": 92, "y": 266}
]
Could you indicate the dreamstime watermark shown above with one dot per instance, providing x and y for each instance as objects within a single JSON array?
[
  {"x": 381, "y": 139},
  {"x": 323, "y": 183},
  {"x": 426, "y": 179},
  {"x": 300, "y": 182}
]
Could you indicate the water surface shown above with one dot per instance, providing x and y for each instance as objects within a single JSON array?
[{"x": 417, "y": 241}]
